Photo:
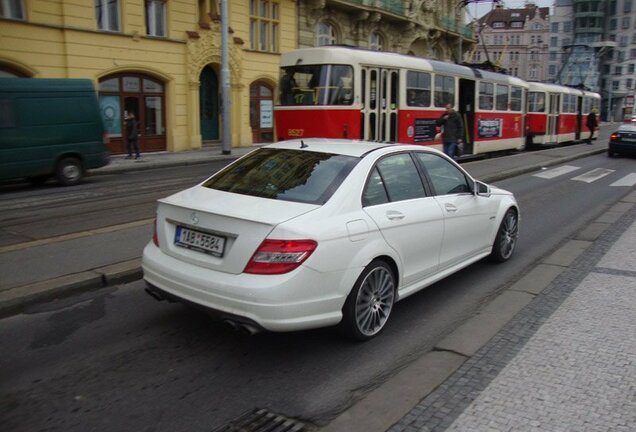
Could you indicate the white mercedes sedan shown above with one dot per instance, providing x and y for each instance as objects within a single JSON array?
[{"x": 311, "y": 233}]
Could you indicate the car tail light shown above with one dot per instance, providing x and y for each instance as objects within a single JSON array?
[
  {"x": 155, "y": 237},
  {"x": 614, "y": 136},
  {"x": 280, "y": 256}
]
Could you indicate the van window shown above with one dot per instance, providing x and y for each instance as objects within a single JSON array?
[{"x": 7, "y": 113}]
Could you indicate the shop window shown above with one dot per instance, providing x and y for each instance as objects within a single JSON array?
[
  {"x": 142, "y": 95},
  {"x": 261, "y": 112}
]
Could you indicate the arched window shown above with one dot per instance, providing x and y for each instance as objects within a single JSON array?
[
  {"x": 140, "y": 94},
  {"x": 261, "y": 112},
  {"x": 326, "y": 34},
  {"x": 376, "y": 41}
]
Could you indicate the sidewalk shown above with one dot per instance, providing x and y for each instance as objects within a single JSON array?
[{"x": 554, "y": 352}]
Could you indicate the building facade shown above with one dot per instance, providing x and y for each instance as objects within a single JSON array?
[
  {"x": 424, "y": 28},
  {"x": 515, "y": 40},
  {"x": 159, "y": 59}
]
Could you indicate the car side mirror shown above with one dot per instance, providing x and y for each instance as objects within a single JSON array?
[{"x": 481, "y": 189}]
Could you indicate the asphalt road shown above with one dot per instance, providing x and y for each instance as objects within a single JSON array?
[{"x": 114, "y": 359}]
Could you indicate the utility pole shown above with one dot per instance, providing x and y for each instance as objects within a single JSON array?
[{"x": 225, "y": 80}]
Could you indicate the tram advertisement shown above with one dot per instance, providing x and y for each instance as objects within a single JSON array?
[
  {"x": 490, "y": 128},
  {"x": 425, "y": 129}
]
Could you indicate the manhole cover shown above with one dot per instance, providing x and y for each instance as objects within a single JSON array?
[{"x": 261, "y": 420}]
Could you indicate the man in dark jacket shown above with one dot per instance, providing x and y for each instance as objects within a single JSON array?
[
  {"x": 132, "y": 130},
  {"x": 453, "y": 130},
  {"x": 592, "y": 124}
]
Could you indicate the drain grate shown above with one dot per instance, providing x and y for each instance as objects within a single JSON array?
[{"x": 261, "y": 420}]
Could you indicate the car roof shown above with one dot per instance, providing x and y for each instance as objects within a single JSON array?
[
  {"x": 346, "y": 147},
  {"x": 627, "y": 128}
]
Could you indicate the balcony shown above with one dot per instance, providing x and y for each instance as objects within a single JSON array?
[
  {"x": 452, "y": 25},
  {"x": 392, "y": 6}
]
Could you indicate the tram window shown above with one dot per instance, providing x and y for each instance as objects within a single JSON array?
[
  {"x": 536, "y": 102},
  {"x": 444, "y": 90},
  {"x": 515, "y": 98},
  {"x": 501, "y": 97},
  {"x": 418, "y": 89},
  {"x": 341, "y": 85},
  {"x": 486, "y": 95},
  {"x": 316, "y": 85}
]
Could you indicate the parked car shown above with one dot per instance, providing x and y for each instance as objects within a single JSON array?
[
  {"x": 304, "y": 234},
  {"x": 50, "y": 128},
  {"x": 623, "y": 141}
]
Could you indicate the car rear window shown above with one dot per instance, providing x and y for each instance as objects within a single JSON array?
[{"x": 284, "y": 174}]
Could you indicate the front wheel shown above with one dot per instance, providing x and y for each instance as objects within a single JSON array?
[
  {"x": 69, "y": 171},
  {"x": 506, "y": 238},
  {"x": 370, "y": 302}
]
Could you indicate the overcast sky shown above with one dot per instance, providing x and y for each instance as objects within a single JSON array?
[{"x": 476, "y": 10}]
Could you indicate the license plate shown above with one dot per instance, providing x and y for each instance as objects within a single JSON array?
[{"x": 201, "y": 241}]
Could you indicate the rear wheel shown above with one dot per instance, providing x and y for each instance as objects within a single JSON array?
[
  {"x": 69, "y": 171},
  {"x": 506, "y": 238},
  {"x": 370, "y": 302}
]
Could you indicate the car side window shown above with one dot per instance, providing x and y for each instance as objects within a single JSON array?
[
  {"x": 397, "y": 175},
  {"x": 445, "y": 177}
]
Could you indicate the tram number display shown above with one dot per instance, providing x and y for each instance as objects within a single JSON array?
[
  {"x": 425, "y": 129},
  {"x": 490, "y": 128},
  {"x": 295, "y": 132}
]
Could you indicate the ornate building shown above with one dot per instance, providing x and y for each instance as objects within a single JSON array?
[{"x": 425, "y": 28}]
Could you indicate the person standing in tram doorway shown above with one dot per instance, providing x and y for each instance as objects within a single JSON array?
[
  {"x": 452, "y": 130},
  {"x": 132, "y": 130},
  {"x": 592, "y": 124}
]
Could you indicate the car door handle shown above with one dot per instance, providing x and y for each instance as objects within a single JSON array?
[
  {"x": 450, "y": 208},
  {"x": 394, "y": 215}
]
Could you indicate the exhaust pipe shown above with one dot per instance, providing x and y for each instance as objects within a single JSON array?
[
  {"x": 154, "y": 294},
  {"x": 248, "y": 329},
  {"x": 229, "y": 324}
]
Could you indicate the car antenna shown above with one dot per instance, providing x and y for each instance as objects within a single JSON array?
[{"x": 302, "y": 144}]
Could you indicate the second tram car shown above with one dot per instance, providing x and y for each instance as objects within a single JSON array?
[
  {"x": 345, "y": 92},
  {"x": 556, "y": 114}
]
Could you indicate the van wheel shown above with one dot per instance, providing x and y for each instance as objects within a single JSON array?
[{"x": 69, "y": 171}]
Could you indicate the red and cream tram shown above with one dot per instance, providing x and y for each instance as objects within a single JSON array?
[
  {"x": 557, "y": 114},
  {"x": 337, "y": 92},
  {"x": 344, "y": 92}
]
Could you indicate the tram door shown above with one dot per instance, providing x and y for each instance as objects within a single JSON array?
[
  {"x": 553, "y": 117},
  {"x": 579, "y": 118},
  {"x": 467, "y": 111},
  {"x": 380, "y": 89}
]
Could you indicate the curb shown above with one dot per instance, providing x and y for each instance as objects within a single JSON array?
[{"x": 17, "y": 300}]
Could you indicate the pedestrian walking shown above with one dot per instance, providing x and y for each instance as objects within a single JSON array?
[
  {"x": 452, "y": 130},
  {"x": 132, "y": 131},
  {"x": 592, "y": 124}
]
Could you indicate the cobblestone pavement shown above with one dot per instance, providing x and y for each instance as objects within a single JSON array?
[{"x": 566, "y": 362}]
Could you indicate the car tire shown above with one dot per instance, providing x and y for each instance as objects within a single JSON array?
[
  {"x": 370, "y": 302},
  {"x": 610, "y": 153},
  {"x": 506, "y": 239},
  {"x": 69, "y": 171}
]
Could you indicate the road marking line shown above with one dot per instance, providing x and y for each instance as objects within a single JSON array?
[
  {"x": 73, "y": 236},
  {"x": 628, "y": 180},
  {"x": 555, "y": 172},
  {"x": 592, "y": 176}
]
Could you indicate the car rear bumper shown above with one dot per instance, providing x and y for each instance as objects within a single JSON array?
[
  {"x": 292, "y": 301},
  {"x": 622, "y": 148}
]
